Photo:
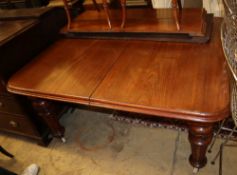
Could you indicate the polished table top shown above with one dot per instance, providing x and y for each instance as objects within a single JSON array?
[{"x": 177, "y": 80}]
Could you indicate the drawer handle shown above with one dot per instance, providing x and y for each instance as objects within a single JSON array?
[
  {"x": 1, "y": 104},
  {"x": 13, "y": 124}
]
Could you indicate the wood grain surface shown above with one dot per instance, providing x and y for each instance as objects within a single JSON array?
[
  {"x": 70, "y": 70},
  {"x": 177, "y": 80},
  {"x": 185, "y": 81}
]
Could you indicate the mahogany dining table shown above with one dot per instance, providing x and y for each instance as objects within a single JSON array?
[{"x": 184, "y": 81}]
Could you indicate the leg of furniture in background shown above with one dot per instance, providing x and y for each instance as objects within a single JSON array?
[
  {"x": 5, "y": 152},
  {"x": 225, "y": 126},
  {"x": 217, "y": 133},
  {"x": 48, "y": 112},
  {"x": 69, "y": 15},
  {"x": 68, "y": 9},
  {"x": 223, "y": 144},
  {"x": 200, "y": 135},
  {"x": 124, "y": 13},
  {"x": 106, "y": 9},
  {"x": 177, "y": 10},
  {"x": 179, "y": 4}
]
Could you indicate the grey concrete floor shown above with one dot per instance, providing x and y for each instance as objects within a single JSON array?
[{"x": 98, "y": 145}]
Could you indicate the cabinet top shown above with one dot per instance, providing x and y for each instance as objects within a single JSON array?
[{"x": 11, "y": 29}]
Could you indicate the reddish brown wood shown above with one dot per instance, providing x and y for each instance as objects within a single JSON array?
[
  {"x": 106, "y": 9},
  {"x": 48, "y": 112},
  {"x": 174, "y": 80},
  {"x": 167, "y": 79},
  {"x": 176, "y": 5},
  {"x": 23, "y": 34},
  {"x": 124, "y": 12},
  {"x": 69, "y": 70},
  {"x": 68, "y": 14},
  {"x": 200, "y": 136}
]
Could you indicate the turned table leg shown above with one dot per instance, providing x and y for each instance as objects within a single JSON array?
[
  {"x": 48, "y": 112},
  {"x": 200, "y": 136}
]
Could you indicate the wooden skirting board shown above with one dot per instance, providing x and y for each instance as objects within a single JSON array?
[{"x": 143, "y": 24}]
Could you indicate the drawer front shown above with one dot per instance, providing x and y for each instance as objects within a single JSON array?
[
  {"x": 17, "y": 124},
  {"x": 11, "y": 105}
]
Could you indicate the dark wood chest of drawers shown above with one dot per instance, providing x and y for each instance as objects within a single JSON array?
[
  {"x": 21, "y": 38},
  {"x": 14, "y": 119}
]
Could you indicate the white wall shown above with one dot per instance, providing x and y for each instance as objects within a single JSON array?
[{"x": 212, "y": 6}]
